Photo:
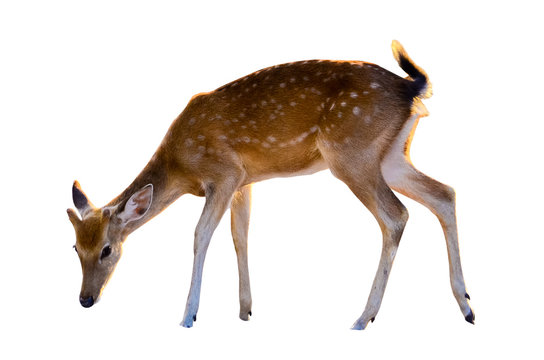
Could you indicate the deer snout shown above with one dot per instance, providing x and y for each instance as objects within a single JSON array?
[{"x": 86, "y": 302}]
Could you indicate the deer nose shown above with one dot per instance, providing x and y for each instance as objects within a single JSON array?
[{"x": 86, "y": 302}]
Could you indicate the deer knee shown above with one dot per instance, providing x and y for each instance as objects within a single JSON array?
[
  {"x": 445, "y": 202},
  {"x": 401, "y": 222},
  {"x": 393, "y": 223},
  {"x": 446, "y": 194}
]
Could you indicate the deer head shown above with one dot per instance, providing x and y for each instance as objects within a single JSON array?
[{"x": 100, "y": 233}]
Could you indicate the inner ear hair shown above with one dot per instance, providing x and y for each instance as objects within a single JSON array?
[{"x": 138, "y": 204}]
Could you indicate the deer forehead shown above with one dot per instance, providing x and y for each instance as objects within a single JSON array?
[{"x": 91, "y": 233}]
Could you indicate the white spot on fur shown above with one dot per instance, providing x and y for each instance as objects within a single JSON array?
[
  {"x": 189, "y": 142},
  {"x": 271, "y": 139},
  {"x": 356, "y": 110},
  {"x": 200, "y": 137},
  {"x": 292, "y": 80},
  {"x": 353, "y": 95},
  {"x": 339, "y": 114},
  {"x": 222, "y": 137},
  {"x": 192, "y": 121},
  {"x": 293, "y": 104},
  {"x": 374, "y": 85},
  {"x": 282, "y": 85},
  {"x": 302, "y": 96}
]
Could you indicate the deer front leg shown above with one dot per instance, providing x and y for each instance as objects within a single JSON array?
[
  {"x": 218, "y": 197},
  {"x": 240, "y": 211}
]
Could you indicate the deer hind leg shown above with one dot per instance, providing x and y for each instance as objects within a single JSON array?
[
  {"x": 366, "y": 182},
  {"x": 240, "y": 210},
  {"x": 403, "y": 177},
  {"x": 218, "y": 196}
]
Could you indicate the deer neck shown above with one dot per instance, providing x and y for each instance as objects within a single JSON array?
[{"x": 166, "y": 190}]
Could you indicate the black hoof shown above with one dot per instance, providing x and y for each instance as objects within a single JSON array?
[
  {"x": 250, "y": 314},
  {"x": 470, "y": 317},
  {"x": 372, "y": 320},
  {"x": 467, "y": 296},
  {"x": 194, "y": 317}
]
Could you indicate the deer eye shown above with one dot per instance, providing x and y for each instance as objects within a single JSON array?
[{"x": 105, "y": 252}]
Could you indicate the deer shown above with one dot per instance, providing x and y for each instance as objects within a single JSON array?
[{"x": 354, "y": 118}]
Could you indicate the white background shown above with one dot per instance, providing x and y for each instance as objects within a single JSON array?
[{"x": 87, "y": 90}]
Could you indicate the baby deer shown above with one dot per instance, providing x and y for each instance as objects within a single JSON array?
[{"x": 354, "y": 118}]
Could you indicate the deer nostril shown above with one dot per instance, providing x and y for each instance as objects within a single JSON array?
[{"x": 86, "y": 302}]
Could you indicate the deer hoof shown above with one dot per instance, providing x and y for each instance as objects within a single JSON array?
[
  {"x": 188, "y": 321},
  {"x": 245, "y": 315},
  {"x": 470, "y": 317}
]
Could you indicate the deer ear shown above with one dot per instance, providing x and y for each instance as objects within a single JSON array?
[
  {"x": 73, "y": 217},
  {"x": 80, "y": 199},
  {"x": 137, "y": 205}
]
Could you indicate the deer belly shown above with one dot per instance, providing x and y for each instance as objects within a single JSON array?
[{"x": 283, "y": 166}]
